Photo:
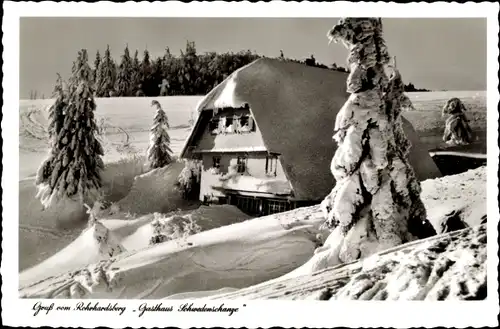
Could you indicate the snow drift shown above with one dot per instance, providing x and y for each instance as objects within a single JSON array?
[
  {"x": 109, "y": 237},
  {"x": 44, "y": 232},
  {"x": 154, "y": 191}
]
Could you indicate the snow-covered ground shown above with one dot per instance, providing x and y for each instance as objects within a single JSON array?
[
  {"x": 226, "y": 257},
  {"x": 220, "y": 254}
]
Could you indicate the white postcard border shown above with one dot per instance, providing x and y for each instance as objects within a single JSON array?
[{"x": 17, "y": 312}]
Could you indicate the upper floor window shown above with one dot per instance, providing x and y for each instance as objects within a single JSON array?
[
  {"x": 216, "y": 162},
  {"x": 246, "y": 124},
  {"x": 241, "y": 165},
  {"x": 230, "y": 124},
  {"x": 229, "y": 128},
  {"x": 271, "y": 164},
  {"x": 214, "y": 125}
]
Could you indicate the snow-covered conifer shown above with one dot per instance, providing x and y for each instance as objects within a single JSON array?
[
  {"x": 145, "y": 73},
  {"x": 375, "y": 203},
  {"x": 73, "y": 169},
  {"x": 56, "y": 111},
  {"x": 124, "y": 83},
  {"x": 106, "y": 76},
  {"x": 95, "y": 70},
  {"x": 136, "y": 74},
  {"x": 159, "y": 153}
]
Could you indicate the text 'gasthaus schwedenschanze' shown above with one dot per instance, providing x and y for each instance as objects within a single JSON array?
[{"x": 40, "y": 308}]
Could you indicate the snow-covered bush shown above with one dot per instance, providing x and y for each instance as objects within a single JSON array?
[
  {"x": 172, "y": 228},
  {"x": 73, "y": 168},
  {"x": 159, "y": 153},
  {"x": 457, "y": 129},
  {"x": 375, "y": 203},
  {"x": 189, "y": 178}
]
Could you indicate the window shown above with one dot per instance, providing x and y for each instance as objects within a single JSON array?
[
  {"x": 244, "y": 121},
  {"x": 216, "y": 162},
  {"x": 271, "y": 164},
  {"x": 246, "y": 124},
  {"x": 242, "y": 165},
  {"x": 229, "y": 125},
  {"x": 214, "y": 125}
]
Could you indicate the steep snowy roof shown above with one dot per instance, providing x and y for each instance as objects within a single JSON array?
[{"x": 295, "y": 107}]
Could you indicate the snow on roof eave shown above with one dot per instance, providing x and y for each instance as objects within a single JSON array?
[{"x": 222, "y": 96}]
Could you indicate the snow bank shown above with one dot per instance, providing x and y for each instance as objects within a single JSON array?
[
  {"x": 94, "y": 244},
  {"x": 248, "y": 183},
  {"x": 138, "y": 234},
  {"x": 444, "y": 267},
  {"x": 463, "y": 195},
  {"x": 154, "y": 191},
  {"x": 118, "y": 177},
  {"x": 119, "y": 235},
  {"x": 44, "y": 232},
  {"x": 231, "y": 256}
]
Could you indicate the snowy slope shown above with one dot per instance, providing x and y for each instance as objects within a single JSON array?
[
  {"x": 109, "y": 237},
  {"x": 94, "y": 244},
  {"x": 235, "y": 255},
  {"x": 451, "y": 266},
  {"x": 242, "y": 254}
]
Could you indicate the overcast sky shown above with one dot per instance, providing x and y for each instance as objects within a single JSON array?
[{"x": 431, "y": 53}]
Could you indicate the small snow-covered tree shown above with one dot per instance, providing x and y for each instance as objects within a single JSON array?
[
  {"x": 189, "y": 179},
  {"x": 159, "y": 153},
  {"x": 73, "y": 168},
  {"x": 457, "y": 130},
  {"x": 375, "y": 203}
]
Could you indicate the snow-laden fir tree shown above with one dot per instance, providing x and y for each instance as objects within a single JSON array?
[
  {"x": 375, "y": 203},
  {"x": 136, "y": 74},
  {"x": 159, "y": 153},
  {"x": 95, "y": 70},
  {"x": 73, "y": 169},
  {"x": 457, "y": 129},
  {"x": 106, "y": 76},
  {"x": 56, "y": 111},
  {"x": 145, "y": 73},
  {"x": 56, "y": 121},
  {"x": 124, "y": 83}
]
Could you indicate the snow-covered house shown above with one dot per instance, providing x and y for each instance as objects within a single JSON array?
[{"x": 264, "y": 136}]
